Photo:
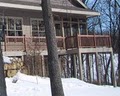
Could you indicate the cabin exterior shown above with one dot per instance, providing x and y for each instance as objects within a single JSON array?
[{"x": 25, "y": 33}]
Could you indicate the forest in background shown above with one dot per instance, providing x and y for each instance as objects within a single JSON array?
[{"x": 107, "y": 23}]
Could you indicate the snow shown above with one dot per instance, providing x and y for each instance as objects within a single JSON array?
[
  {"x": 6, "y": 59},
  {"x": 40, "y": 86},
  {"x": 27, "y": 85}
]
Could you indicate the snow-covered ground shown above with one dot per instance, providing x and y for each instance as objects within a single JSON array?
[
  {"x": 39, "y": 86},
  {"x": 6, "y": 59}
]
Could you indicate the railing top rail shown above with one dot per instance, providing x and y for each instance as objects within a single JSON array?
[
  {"x": 93, "y": 35},
  {"x": 32, "y": 37},
  {"x": 14, "y": 36}
]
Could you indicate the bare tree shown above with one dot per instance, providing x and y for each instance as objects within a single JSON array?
[
  {"x": 108, "y": 23},
  {"x": 2, "y": 75},
  {"x": 53, "y": 65},
  {"x": 118, "y": 5}
]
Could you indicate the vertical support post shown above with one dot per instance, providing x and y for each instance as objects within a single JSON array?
[
  {"x": 63, "y": 34},
  {"x": 113, "y": 70},
  {"x": 5, "y": 44},
  {"x": 80, "y": 65},
  {"x": 90, "y": 64},
  {"x": 24, "y": 42},
  {"x": 87, "y": 67},
  {"x": 43, "y": 66},
  {"x": 75, "y": 70},
  {"x": 97, "y": 68}
]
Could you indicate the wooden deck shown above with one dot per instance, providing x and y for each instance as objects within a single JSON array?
[
  {"x": 23, "y": 43},
  {"x": 88, "y": 41}
]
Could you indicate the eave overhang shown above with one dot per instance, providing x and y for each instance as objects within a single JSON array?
[{"x": 85, "y": 12}]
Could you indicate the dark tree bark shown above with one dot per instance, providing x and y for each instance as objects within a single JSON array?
[
  {"x": 2, "y": 76},
  {"x": 118, "y": 4},
  {"x": 119, "y": 53},
  {"x": 53, "y": 65}
]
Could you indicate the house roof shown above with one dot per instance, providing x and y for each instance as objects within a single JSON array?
[
  {"x": 63, "y": 6},
  {"x": 37, "y": 2},
  {"x": 78, "y": 3}
]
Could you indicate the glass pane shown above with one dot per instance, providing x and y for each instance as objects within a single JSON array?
[
  {"x": 1, "y": 23},
  {"x": 66, "y": 19},
  {"x": 18, "y": 33},
  {"x": 34, "y": 25},
  {"x": 41, "y": 29},
  {"x": 82, "y": 29},
  {"x": 74, "y": 19},
  {"x": 58, "y": 29},
  {"x": 10, "y": 23},
  {"x": 75, "y": 28},
  {"x": 57, "y": 18},
  {"x": 67, "y": 30},
  {"x": 41, "y": 26},
  {"x": 5, "y": 23},
  {"x": 42, "y": 34},
  {"x": 11, "y": 33},
  {"x": 18, "y": 24},
  {"x": 34, "y": 33}
]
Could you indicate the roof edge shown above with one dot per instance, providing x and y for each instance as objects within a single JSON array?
[
  {"x": 82, "y": 4},
  {"x": 38, "y": 8}
]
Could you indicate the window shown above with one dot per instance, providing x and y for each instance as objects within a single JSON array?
[
  {"x": 82, "y": 29},
  {"x": 13, "y": 26},
  {"x": 2, "y": 27},
  {"x": 82, "y": 26},
  {"x": 67, "y": 29},
  {"x": 1, "y": 23},
  {"x": 58, "y": 29},
  {"x": 75, "y": 29},
  {"x": 18, "y": 24},
  {"x": 38, "y": 28},
  {"x": 70, "y": 26},
  {"x": 10, "y": 24}
]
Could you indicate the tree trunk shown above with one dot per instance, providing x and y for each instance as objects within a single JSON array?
[
  {"x": 119, "y": 53},
  {"x": 53, "y": 65},
  {"x": 2, "y": 76}
]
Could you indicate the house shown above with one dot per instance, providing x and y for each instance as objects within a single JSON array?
[{"x": 25, "y": 34}]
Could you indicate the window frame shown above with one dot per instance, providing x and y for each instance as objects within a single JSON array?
[
  {"x": 40, "y": 33},
  {"x": 14, "y": 30}
]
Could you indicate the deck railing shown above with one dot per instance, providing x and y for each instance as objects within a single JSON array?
[
  {"x": 23, "y": 43},
  {"x": 88, "y": 41}
]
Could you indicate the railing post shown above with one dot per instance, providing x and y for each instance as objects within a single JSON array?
[
  {"x": 110, "y": 41},
  {"x": 77, "y": 38},
  {"x": 64, "y": 45},
  {"x": 5, "y": 43},
  {"x": 94, "y": 40},
  {"x": 24, "y": 42}
]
